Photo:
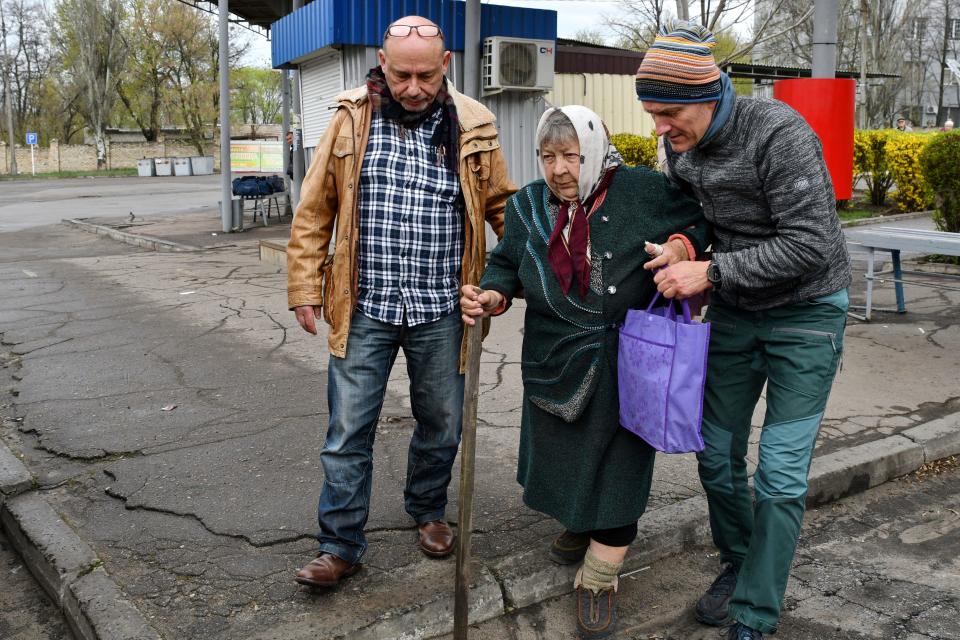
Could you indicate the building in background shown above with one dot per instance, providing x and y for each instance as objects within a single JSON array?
[
  {"x": 601, "y": 78},
  {"x": 334, "y": 43}
]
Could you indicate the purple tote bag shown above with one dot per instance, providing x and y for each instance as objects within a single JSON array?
[{"x": 661, "y": 371}]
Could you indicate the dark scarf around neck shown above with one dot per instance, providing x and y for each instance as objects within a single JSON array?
[
  {"x": 568, "y": 257},
  {"x": 446, "y": 138}
]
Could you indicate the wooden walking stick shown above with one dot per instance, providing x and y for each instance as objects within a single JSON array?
[{"x": 468, "y": 443}]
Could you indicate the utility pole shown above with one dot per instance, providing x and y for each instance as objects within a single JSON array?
[
  {"x": 6, "y": 94},
  {"x": 824, "y": 39},
  {"x": 226, "y": 191},
  {"x": 287, "y": 160},
  {"x": 864, "y": 22},
  {"x": 299, "y": 166}
]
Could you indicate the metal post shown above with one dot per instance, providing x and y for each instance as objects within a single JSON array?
[
  {"x": 285, "y": 106},
  {"x": 471, "y": 50},
  {"x": 825, "y": 39},
  {"x": 298, "y": 160},
  {"x": 226, "y": 208},
  {"x": 33, "y": 161},
  {"x": 285, "y": 94},
  {"x": 468, "y": 445}
]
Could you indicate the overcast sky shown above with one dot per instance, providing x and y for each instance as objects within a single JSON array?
[{"x": 572, "y": 16}]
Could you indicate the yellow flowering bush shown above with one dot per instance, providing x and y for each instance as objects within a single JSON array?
[
  {"x": 870, "y": 162},
  {"x": 903, "y": 159},
  {"x": 940, "y": 161},
  {"x": 636, "y": 150}
]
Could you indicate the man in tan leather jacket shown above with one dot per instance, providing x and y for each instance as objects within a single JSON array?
[{"x": 391, "y": 220}]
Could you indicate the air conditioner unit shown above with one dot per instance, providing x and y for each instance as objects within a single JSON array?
[
  {"x": 517, "y": 64},
  {"x": 931, "y": 109}
]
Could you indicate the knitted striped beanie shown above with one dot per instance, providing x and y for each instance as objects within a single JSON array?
[{"x": 679, "y": 65}]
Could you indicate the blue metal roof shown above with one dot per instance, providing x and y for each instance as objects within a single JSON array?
[{"x": 323, "y": 23}]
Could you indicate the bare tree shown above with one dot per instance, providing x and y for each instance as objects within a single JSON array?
[
  {"x": 873, "y": 36},
  {"x": 591, "y": 36},
  {"x": 949, "y": 18},
  {"x": 792, "y": 23},
  {"x": 142, "y": 86},
  {"x": 640, "y": 25},
  {"x": 255, "y": 97},
  {"x": 29, "y": 55},
  {"x": 193, "y": 64},
  {"x": 736, "y": 21},
  {"x": 7, "y": 99},
  {"x": 90, "y": 46}
]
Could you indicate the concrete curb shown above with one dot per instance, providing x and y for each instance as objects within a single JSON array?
[
  {"x": 273, "y": 253},
  {"x": 64, "y": 565},
  {"x": 934, "y": 267},
  {"x": 528, "y": 577},
  {"x": 96, "y": 608},
  {"x": 14, "y": 477},
  {"x": 434, "y": 617},
  {"x": 135, "y": 239},
  {"x": 885, "y": 219}
]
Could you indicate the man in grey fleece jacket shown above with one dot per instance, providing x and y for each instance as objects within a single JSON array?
[{"x": 778, "y": 279}]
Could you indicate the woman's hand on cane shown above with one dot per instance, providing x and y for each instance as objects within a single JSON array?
[{"x": 476, "y": 302}]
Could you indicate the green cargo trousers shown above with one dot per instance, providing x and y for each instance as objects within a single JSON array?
[{"x": 795, "y": 350}]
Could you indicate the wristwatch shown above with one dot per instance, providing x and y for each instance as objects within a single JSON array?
[{"x": 713, "y": 274}]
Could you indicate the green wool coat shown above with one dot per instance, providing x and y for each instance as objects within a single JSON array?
[{"x": 576, "y": 463}]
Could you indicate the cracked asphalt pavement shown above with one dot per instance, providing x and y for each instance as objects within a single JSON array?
[
  {"x": 172, "y": 413},
  {"x": 881, "y": 565}
]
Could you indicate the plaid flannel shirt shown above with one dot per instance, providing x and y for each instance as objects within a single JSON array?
[{"x": 411, "y": 226}]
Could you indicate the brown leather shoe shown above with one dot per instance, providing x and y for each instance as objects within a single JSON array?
[
  {"x": 327, "y": 570},
  {"x": 436, "y": 538}
]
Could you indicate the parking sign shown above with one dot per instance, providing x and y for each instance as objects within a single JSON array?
[{"x": 32, "y": 138}]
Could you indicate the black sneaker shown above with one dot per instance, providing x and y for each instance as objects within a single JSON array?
[
  {"x": 569, "y": 547},
  {"x": 740, "y": 631},
  {"x": 596, "y": 613},
  {"x": 712, "y": 606}
]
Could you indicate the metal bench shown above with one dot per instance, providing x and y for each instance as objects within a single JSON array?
[
  {"x": 264, "y": 211},
  {"x": 895, "y": 240}
]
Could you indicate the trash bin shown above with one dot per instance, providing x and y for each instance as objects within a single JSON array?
[
  {"x": 145, "y": 168},
  {"x": 236, "y": 209},
  {"x": 164, "y": 166},
  {"x": 201, "y": 165},
  {"x": 181, "y": 167}
]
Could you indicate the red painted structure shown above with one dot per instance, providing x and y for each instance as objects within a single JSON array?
[{"x": 827, "y": 104}]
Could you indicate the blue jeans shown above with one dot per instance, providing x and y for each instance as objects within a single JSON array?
[{"x": 356, "y": 388}]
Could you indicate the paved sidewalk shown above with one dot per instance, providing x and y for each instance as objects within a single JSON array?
[
  {"x": 198, "y": 230},
  {"x": 171, "y": 413}
]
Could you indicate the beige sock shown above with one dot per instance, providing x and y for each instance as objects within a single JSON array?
[{"x": 597, "y": 575}]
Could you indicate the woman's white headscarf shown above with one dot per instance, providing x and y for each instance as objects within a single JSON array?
[{"x": 596, "y": 153}]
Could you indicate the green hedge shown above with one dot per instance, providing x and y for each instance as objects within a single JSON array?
[
  {"x": 903, "y": 158},
  {"x": 940, "y": 161},
  {"x": 870, "y": 162},
  {"x": 885, "y": 157},
  {"x": 881, "y": 157},
  {"x": 636, "y": 150}
]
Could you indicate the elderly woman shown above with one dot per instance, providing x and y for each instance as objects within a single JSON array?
[{"x": 574, "y": 245}]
